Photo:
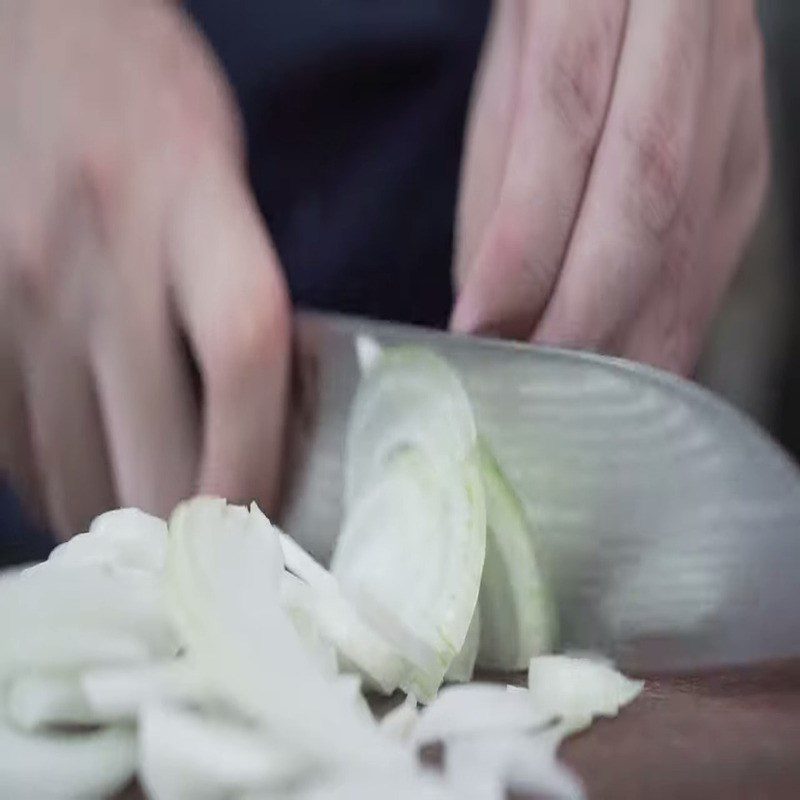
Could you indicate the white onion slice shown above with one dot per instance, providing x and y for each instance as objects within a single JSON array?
[
  {"x": 478, "y": 709},
  {"x": 187, "y": 754},
  {"x": 36, "y": 701},
  {"x": 518, "y": 615},
  {"x": 92, "y": 596},
  {"x": 225, "y": 567},
  {"x": 65, "y": 766},
  {"x": 399, "y": 723},
  {"x": 119, "y": 693},
  {"x": 463, "y": 665},
  {"x": 125, "y": 537},
  {"x": 578, "y": 689},
  {"x": 509, "y": 762},
  {"x": 410, "y": 398},
  {"x": 316, "y": 602},
  {"x": 369, "y": 785},
  {"x": 69, "y": 648},
  {"x": 414, "y": 512},
  {"x": 419, "y": 521}
]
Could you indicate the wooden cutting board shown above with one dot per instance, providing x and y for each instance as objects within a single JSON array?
[
  {"x": 732, "y": 734},
  {"x": 729, "y": 734}
]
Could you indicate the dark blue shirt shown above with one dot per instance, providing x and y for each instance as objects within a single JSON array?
[{"x": 355, "y": 115}]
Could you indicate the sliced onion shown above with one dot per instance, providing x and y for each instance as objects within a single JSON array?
[
  {"x": 65, "y": 766},
  {"x": 414, "y": 512},
  {"x": 509, "y": 762},
  {"x": 190, "y": 754},
  {"x": 125, "y": 537},
  {"x": 578, "y": 689},
  {"x": 298, "y": 600},
  {"x": 478, "y": 709},
  {"x": 517, "y": 608},
  {"x": 35, "y": 701},
  {"x": 317, "y": 605},
  {"x": 463, "y": 665},
  {"x": 94, "y": 597},
  {"x": 225, "y": 568},
  {"x": 323, "y": 612},
  {"x": 368, "y": 785},
  {"x": 69, "y": 648},
  {"x": 399, "y": 723},
  {"x": 119, "y": 693},
  {"x": 409, "y": 398},
  {"x": 305, "y": 566}
]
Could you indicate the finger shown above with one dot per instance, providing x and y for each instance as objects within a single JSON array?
[
  {"x": 67, "y": 435},
  {"x": 745, "y": 170},
  {"x": 21, "y": 249},
  {"x": 492, "y": 105},
  {"x": 232, "y": 297},
  {"x": 565, "y": 80},
  {"x": 144, "y": 386},
  {"x": 640, "y": 175},
  {"x": 729, "y": 172},
  {"x": 65, "y": 428},
  {"x": 16, "y": 450}
]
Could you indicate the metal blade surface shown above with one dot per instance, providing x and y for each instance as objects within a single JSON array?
[{"x": 668, "y": 522}]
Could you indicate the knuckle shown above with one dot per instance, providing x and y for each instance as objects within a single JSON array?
[
  {"x": 252, "y": 338},
  {"x": 100, "y": 176},
  {"x": 658, "y": 176}
]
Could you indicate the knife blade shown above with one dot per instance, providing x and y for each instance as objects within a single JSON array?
[{"x": 669, "y": 524}]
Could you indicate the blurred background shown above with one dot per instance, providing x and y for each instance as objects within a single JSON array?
[{"x": 753, "y": 355}]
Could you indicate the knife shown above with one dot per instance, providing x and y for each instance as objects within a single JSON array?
[{"x": 667, "y": 522}]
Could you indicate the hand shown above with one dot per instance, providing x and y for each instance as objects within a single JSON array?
[
  {"x": 128, "y": 237},
  {"x": 615, "y": 164}
]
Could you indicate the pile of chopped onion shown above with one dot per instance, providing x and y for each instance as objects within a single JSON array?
[{"x": 212, "y": 657}]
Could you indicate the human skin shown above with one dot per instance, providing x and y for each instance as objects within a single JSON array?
[
  {"x": 128, "y": 233},
  {"x": 616, "y": 162}
]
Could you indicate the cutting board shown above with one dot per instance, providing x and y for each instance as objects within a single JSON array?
[{"x": 730, "y": 734}]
